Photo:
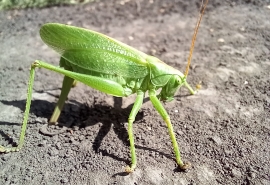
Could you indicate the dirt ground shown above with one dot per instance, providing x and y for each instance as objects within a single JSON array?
[{"x": 223, "y": 130}]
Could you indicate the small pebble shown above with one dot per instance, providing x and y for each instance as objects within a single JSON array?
[
  {"x": 41, "y": 120},
  {"x": 76, "y": 128},
  {"x": 42, "y": 143},
  {"x": 81, "y": 137},
  {"x": 71, "y": 140},
  {"x": 252, "y": 175},
  {"x": 53, "y": 152},
  {"x": 217, "y": 140},
  {"x": 227, "y": 167},
  {"x": 64, "y": 180},
  {"x": 55, "y": 138},
  {"x": 179, "y": 132},
  {"x": 236, "y": 173},
  {"x": 221, "y": 40},
  {"x": 58, "y": 145}
]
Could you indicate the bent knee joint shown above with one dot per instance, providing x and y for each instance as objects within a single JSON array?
[{"x": 131, "y": 120}]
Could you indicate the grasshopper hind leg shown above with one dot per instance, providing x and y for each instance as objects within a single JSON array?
[{"x": 66, "y": 86}]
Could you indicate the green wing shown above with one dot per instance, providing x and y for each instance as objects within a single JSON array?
[{"x": 94, "y": 51}]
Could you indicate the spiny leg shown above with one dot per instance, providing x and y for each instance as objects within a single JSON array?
[
  {"x": 26, "y": 114},
  {"x": 158, "y": 106},
  {"x": 66, "y": 86},
  {"x": 136, "y": 107}
]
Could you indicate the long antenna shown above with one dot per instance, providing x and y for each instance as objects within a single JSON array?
[{"x": 202, "y": 8}]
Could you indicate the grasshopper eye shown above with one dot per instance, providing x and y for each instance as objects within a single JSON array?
[{"x": 178, "y": 80}]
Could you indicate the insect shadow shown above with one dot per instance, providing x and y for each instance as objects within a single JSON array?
[{"x": 85, "y": 116}]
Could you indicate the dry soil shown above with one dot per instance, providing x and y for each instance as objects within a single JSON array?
[{"x": 223, "y": 130}]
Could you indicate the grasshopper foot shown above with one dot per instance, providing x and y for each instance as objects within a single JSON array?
[
  {"x": 2, "y": 149},
  {"x": 7, "y": 150},
  {"x": 130, "y": 169},
  {"x": 185, "y": 166},
  {"x": 75, "y": 83}
]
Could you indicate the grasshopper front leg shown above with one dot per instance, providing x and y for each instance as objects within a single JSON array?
[
  {"x": 136, "y": 107},
  {"x": 192, "y": 92},
  {"x": 158, "y": 106}
]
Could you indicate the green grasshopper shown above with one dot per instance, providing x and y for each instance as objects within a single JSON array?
[{"x": 112, "y": 67}]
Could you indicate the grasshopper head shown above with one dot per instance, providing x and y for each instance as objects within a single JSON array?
[{"x": 168, "y": 91}]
